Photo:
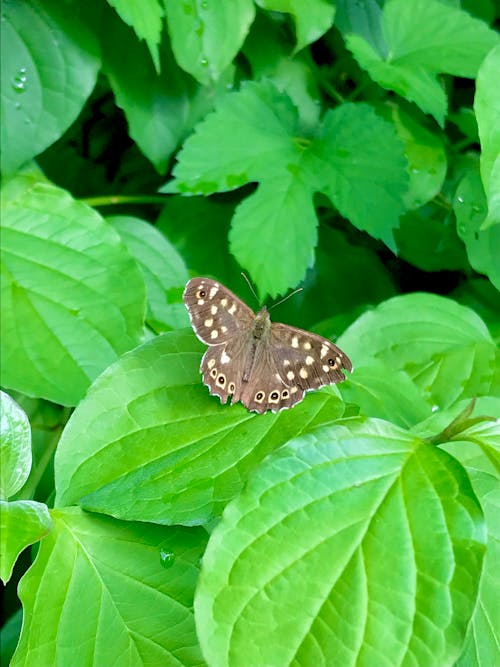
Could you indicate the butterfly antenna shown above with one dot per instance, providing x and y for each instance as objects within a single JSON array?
[
  {"x": 288, "y": 296},
  {"x": 251, "y": 287}
]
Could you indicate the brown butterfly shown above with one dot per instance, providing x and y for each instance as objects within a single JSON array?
[{"x": 265, "y": 365}]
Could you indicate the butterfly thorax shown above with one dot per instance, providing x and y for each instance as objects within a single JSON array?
[{"x": 261, "y": 325}]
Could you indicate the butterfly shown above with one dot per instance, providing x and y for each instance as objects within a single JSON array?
[{"x": 263, "y": 364}]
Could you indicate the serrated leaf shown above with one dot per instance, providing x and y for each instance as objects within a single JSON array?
[
  {"x": 312, "y": 19},
  {"x": 423, "y": 38},
  {"x": 487, "y": 109},
  {"x": 165, "y": 450},
  {"x": 15, "y": 447},
  {"x": 22, "y": 523},
  {"x": 206, "y": 36},
  {"x": 303, "y": 568},
  {"x": 67, "y": 274},
  {"x": 163, "y": 269},
  {"x": 445, "y": 348},
  {"x": 49, "y": 68},
  {"x": 98, "y": 594},
  {"x": 482, "y": 244},
  {"x": 146, "y": 19},
  {"x": 355, "y": 159}
]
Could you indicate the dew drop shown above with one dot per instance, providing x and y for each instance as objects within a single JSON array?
[
  {"x": 460, "y": 199},
  {"x": 435, "y": 408},
  {"x": 167, "y": 558},
  {"x": 19, "y": 83},
  {"x": 204, "y": 61}
]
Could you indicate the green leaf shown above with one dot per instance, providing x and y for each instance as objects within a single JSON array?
[
  {"x": 445, "y": 348},
  {"x": 49, "y": 68},
  {"x": 9, "y": 636},
  {"x": 380, "y": 391},
  {"x": 146, "y": 19},
  {"x": 163, "y": 270},
  {"x": 206, "y": 36},
  {"x": 160, "y": 108},
  {"x": 487, "y": 108},
  {"x": 149, "y": 442},
  {"x": 480, "y": 295},
  {"x": 72, "y": 297},
  {"x": 355, "y": 159},
  {"x": 97, "y": 594},
  {"x": 303, "y": 570},
  {"x": 482, "y": 645},
  {"x": 15, "y": 447},
  {"x": 482, "y": 244},
  {"x": 423, "y": 38},
  {"x": 22, "y": 523},
  {"x": 312, "y": 19}
]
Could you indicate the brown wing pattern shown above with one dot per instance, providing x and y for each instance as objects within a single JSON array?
[{"x": 216, "y": 313}]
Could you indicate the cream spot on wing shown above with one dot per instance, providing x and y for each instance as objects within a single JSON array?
[
  {"x": 223, "y": 302},
  {"x": 223, "y": 329},
  {"x": 290, "y": 375},
  {"x": 309, "y": 360},
  {"x": 277, "y": 376},
  {"x": 211, "y": 363},
  {"x": 232, "y": 310},
  {"x": 303, "y": 373},
  {"x": 213, "y": 292},
  {"x": 225, "y": 358},
  {"x": 213, "y": 373},
  {"x": 201, "y": 302},
  {"x": 213, "y": 310},
  {"x": 274, "y": 396},
  {"x": 214, "y": 334},
  {"x": 324, "y": 350},
  {"x": 293, "y": 390},
  {"x": 338, "y": 362},
  {"x": 295, "y": 341},
  {"x": 259, "y": 397},
  {"x": 326, "y": 368},
  {"x": 286, "y": 362},
  {"x": 231, "y": 388},
  {"x": 307, "y": 345},
  {"x": 209, "y": 322}
]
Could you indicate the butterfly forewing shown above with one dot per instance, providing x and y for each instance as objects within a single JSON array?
[
  {"x": 306, "y": 359},
  {"x": 216, "y": 313}
]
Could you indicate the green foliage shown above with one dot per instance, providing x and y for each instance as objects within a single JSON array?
[{"x": 349, "y": 147}]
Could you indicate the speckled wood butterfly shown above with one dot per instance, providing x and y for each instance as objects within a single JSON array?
[{"x": 265, "y": 365}]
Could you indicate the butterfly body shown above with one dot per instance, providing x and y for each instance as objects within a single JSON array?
[{"x": 263, "y": 364}]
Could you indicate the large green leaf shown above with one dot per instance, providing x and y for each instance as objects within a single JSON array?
[
  {"x": 149, "y": 442},
  {"x": 206, "y": 36},
  {"x": 356, "y": 544},
  {"x": 15, "y": 447},
  {"x": 422, "y": 38},
  {"x": 22, "y": 523},
  {"x": 49, "y": 68},
  {"x": 445, "y": 348},
  {"x": 355, "y": 159},
  {"x": 97, "y": 594},
  {"x": 72, "y": 297},
  {"x": 487, "y": 108}
]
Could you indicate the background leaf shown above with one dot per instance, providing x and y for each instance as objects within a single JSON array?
[
  {"x": 15, "y": 447},
  {"x": 83, "y": 563},
  {"x": 22, "y": 522},
  {"x": 258, "y": 602},
  {"x": 202, "y": 42},
  {"x": 49, "y": 68},
  {"x": 445, "y": 348},
  {"x": 67, "y": 273}
]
